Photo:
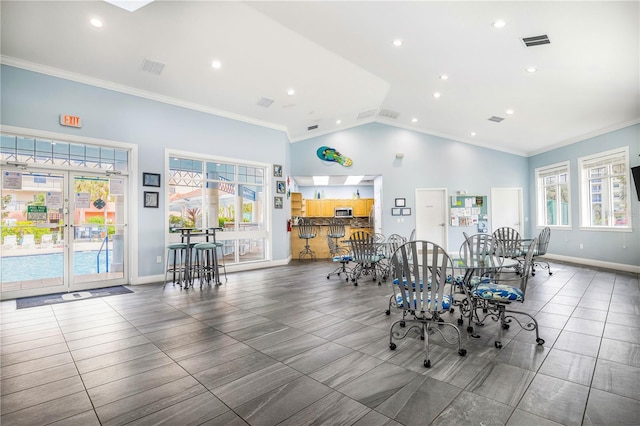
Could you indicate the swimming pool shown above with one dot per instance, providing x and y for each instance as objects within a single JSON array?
[{"x": 39, "y": 266}]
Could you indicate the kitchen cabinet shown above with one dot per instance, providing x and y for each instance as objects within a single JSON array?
[
  {"x": 325, "y": 207},
  {"x": 297, "y": 205},
  {"x": 362, "y": 206}
]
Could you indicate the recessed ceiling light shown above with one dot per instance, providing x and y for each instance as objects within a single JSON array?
[
  {"x": 338, "y": 121},
  {"x": 291, "y": 92},
  {"x": 321, "y": 180},
  {"x": 509, "y": 112},
  {"x": 531, "y": 69},
  {"x": 444, "y": 77},
  {"x": 499, "y": 23},
  {"x": 436, "y": 95},
  {"x": 414, "y": 120},
  {"x": 353, "y": 180},
  {"x": 96, "y": 22},
  {"x": 397, "y": 42},
  {"x": 472, "y": 133},
  {"x": 216, "y": 64}
]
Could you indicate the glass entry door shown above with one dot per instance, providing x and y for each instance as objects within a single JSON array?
[
  {"x": 33, "y": 232},
  {"x": 97, "y": 231},
  {"x": 61, "y": 231}
]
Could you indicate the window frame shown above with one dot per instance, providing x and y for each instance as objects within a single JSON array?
[
  {"x": 540, "y": 174},
  {"x": 589, "y": 162},
  {"x": 236, "y": 237}
]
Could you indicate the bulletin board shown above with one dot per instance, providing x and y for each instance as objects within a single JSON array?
[{"x": 469, "y": 210}]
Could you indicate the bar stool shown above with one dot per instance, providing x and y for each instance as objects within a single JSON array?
[
  {"x": 336, "y": 232},
  {"x": 220, "y": 261},
  {"x": 177, "y": 252},
  {"x": 306, "y": 232},
  {"x": 204, "y": 265}
]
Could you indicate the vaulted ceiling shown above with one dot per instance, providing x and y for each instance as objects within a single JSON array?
[{"x": 340, "y": 60}]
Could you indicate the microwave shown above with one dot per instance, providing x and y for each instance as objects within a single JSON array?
[{"x": 343, "y": 212}]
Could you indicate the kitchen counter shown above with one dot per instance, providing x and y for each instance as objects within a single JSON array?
[{"x": 319, "y": 243}]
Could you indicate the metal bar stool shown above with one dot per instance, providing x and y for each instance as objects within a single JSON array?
[
  {"x": 306, "y": 231},
  {"x": 178, "y": 253},
  {"x": 204, "y": 266},
  {"x": 220, "y": 261}
]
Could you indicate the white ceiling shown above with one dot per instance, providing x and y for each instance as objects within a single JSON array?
[{"x": 339, "y": 58}]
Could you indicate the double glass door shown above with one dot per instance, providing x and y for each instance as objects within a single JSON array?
[{"x": 62, "y": 231}]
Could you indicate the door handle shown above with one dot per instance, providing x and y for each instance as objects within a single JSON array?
[{"x": 442, "y": 224}]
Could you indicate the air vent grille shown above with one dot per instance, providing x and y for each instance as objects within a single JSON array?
[
  {"x": 536, "y": 40},
  {"x": 315, "y": 126},
  {"x": 366, "y": 114},
  {"x": 154, "y": 67},
  {"x": 496, "y": 119},
  {"x": 387, "y": 113},
  {"x": 265, "y": 102}
]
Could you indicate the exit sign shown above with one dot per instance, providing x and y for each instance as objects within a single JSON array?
[{"x": 70, "y": 120}]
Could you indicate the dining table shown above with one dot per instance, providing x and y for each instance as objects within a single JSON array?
[
  {"x": 209, "y": 234},
  {"x": 473, "y": 269}
]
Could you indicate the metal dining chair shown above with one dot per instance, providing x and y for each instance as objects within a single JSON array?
[
  {"x": 423, "y": 292},
  {"x": 366, "y": 257}
]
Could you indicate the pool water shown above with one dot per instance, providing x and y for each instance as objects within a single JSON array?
[{"x": 39, "y": 266}]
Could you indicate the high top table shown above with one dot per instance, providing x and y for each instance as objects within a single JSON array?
[{"x": 185, "y": 235}]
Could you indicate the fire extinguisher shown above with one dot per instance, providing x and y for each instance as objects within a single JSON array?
[{"x": 288, "y": 225}]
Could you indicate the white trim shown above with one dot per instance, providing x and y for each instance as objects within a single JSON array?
[
  {"x": 132, "y": 178},
  {"x": 594, "y": 263},
  {"x": 79, "y": 78},
  {"x": 589, "y": 161},
  {"x": 540, "y": 207}
]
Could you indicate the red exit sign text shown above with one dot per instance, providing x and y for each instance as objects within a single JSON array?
[{"x": 70, "y": 120}]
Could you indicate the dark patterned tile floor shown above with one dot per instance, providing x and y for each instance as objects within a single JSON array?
[{"x": 286, "y": 346}]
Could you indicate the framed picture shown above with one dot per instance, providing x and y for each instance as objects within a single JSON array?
[
  {"x": 151, "y": 179},
  {"x": 151, "y": 199},
  {"x": 281, "y": 187},
  {"x": 277, "y": 170},
  {"x": 405, "y": 212},
  {"x": 277, "y": 202},
  {"x": 401, "y": 202},
  {"x": 396, "y": 211}
]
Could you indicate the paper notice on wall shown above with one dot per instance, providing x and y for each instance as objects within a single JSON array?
[
  {"x": 53, "y": 200},
  {"x": 11, "y": 180},
  {"x": 468, "y": 202},
  {"x": 116, "y": 186},
  {"x": 83, "y": 200}
]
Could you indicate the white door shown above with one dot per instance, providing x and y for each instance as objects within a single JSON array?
[
  {"x": 506, "y": 208},
  {"x": 431, "y": 215}
]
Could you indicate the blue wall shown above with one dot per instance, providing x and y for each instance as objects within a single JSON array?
[
  {"x": 35, "y": 101},
  {"x": 606, "y": 246},
  {"x": 429, "y": 162}
]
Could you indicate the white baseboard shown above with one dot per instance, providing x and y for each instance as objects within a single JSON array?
[
  {"x": 150, "y": 279},
  {"x": 596, "y": 263}
]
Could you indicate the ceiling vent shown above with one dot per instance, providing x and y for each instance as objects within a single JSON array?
[
  {"x": 366, "y": 114},
  {"x": 154, "y": 67},
  {"x": 496, "y": 119},
  {"x": 315, "y": 126},
  {"x": 536, "y": 40},
  {"x": 265, "y": 102},
  {"x": 387, "y": 113}
]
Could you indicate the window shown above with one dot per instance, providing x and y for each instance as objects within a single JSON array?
[
  {"x": 62, "y": 154},
  {"x": 604, "y": 190},
  {"x": 553, "y": 198},
  {"x": 209, "y": 193}
]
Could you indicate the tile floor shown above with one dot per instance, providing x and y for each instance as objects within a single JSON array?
[{"x": 287, "y": 346}]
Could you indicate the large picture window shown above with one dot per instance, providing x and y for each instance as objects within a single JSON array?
[
  {"x": 604, "y": 190},
  {"x": 209, "y": 193},
  {"x": 553, "y": 195}
]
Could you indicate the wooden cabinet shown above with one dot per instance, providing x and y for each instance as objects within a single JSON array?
[
  {"x": 314, "y": 208},
  {"x": 325, "y": 207},
  {"x": 296, "y": 204},
  {"x": 362, "y": 206}
]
